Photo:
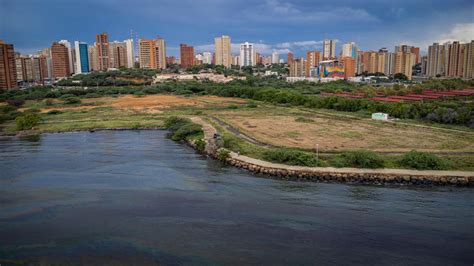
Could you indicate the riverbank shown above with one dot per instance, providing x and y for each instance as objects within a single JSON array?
[{"x": 351, "y": 175}]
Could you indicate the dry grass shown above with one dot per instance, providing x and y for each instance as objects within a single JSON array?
[
  {"x": 335, "y": 133},
  {"x": 153, "y": 104}
]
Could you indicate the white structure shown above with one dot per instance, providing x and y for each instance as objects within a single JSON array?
[
  {"x": 207, "y": 58},
  {"x": 329, "y": 49},
  {"x": 380, "y": 116},
  {"x": 247, "y": 54},
  {"x": 275, "y": 57},
  {"x": 130, "y": 53},
  {"x": 68, "y": 45}
]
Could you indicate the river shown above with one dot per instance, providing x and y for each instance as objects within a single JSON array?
[{"x": 136, "y": 197}]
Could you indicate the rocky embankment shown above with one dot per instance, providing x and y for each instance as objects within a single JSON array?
[{"x": 326, "y": 174}]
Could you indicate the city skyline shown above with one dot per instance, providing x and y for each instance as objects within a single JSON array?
[{"x": 361, "y": 22}]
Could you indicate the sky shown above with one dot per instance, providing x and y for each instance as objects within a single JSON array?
[{"x": 297, "y": 26}]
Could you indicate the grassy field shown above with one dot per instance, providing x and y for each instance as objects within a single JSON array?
[
  {"x": 336, "y": 131},
  {"x": 288, "y": 127}
]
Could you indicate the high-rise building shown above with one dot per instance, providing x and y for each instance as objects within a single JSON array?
[
  {"x": 289, "y": 58},
  {"x": 236, "y": 60},
  {"x": 46, "y": 54},
  {"x": 82, "y": 57},
  {"x": 207, "y": 58},
  {"x": 130, "y": 51},
  {"x": 416, "y": 51},
  {"x": 258, "y": 58},
  {"x": 349, "y": 50},
  {"x": 349, "y": 67},
  {"x": 8, "y": 77},
  {"x": 152, "y": 53},
  {"x": 60, "y": 59},
  {"x": 70, "y": 54},
  {"x": 118, "y": 54},
  {"x": 404, "y": 63},
  {"x": 247, "y": 54},
  {"x": 170, "y": 60},
  {"x": 223, "y": 51},
  {"x": 468, "y": 69},
  {"x": 32, "y": 69},
  {"x": 389, "y": 64},
  {"x": 298, "y": 68},
  {"x": 187, "y": 55},
  {"x": 275, "y": 57},
  {"x": 436, "y": 57},
  {"x": 329, "y": 49},
  {"x": 312, "y": 60},
  {"x": 409, "y": 49},
  {"x": 103, "y": 51},
  {"x": 455, "y": 59},
  {"x": 93, "y": 58}
]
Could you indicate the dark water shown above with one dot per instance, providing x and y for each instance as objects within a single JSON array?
[{"x": 131, "y": 197}]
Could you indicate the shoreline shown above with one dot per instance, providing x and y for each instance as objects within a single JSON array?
[
  {"x": 347, "y": 175},
  {"x": 309, "y": 174}
]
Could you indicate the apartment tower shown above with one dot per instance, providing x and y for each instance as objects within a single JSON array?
[
  {"x": 60, "y": 60},
  {"x": 186, "y": 55},
  {"x": 103, "y": 51},
  {"x": 223, "y": 51},
  {"x": 7, "y": 66}
]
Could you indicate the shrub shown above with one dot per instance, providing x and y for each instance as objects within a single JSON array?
[
  {"x": 70, "y": 99},
  {"x": 186, "y": 131},
  {"x": 422, "y": 160},
  {"x": 139, "y": 93},
  {"x": 54, "y": 112},
  {"x": 174, "y": 122},
  {"x": 363, "y": 159},
  {"x": 32, "y": 110},
  {"x": 291, "y": 157},
  {"x": 136, "y": 126},
  {"x": 200, "y": 145},
  {"x": 232, "y": 106},
  {"x": 223, "y": 154},
  {"x": 7, "y": 108},
  {"x": 92, "y": 95},
  {"x": 15, "y": 102},
  {"x": 27, "y": 121},
  {"x": 304, "y": 120},
  {"x": 48, "y": 102}
]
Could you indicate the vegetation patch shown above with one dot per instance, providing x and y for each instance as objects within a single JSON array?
[
  {"x": 183, "y": 129},
  {"x": 423, "y": 161},
  {"x": 27, "y": 121},
  {"x": 359, "y": 159},
  {"x": 291, "y": 157}
]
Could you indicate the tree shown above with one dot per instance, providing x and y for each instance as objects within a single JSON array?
[
  {"x": 27, "y": 121},
  {"x": 400, "y": 76}
]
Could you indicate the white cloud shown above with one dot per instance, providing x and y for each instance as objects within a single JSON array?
[
  {"x": 462, "y": 32},
  {"x": 266, "y": 49}
]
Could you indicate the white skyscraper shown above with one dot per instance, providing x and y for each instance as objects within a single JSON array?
[
  {"x": 275, "y": 57},
  {"x": 247, "y": 54},
  {"x": 349, "y": 50},
  {"x": 130, "y": 53},
  {"x": 207, "y": 58},
  {"x": 68, "y": 45},
  {"x": 82, "y": 57},
  {"x": 329, "y": 49}
]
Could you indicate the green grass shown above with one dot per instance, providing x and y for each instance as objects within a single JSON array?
[{"x": 96, "y": 118}]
